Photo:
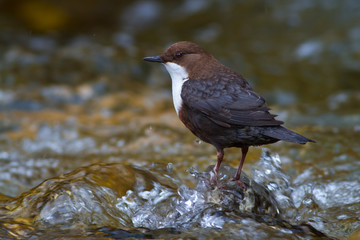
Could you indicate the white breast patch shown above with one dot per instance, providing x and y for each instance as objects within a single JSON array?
[{"x": 178, "y": 76}]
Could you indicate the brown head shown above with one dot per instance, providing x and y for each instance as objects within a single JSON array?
[{"x": 195, "y": 60}]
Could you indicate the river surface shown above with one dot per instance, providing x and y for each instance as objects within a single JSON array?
[{"x": 91, "y": 146}]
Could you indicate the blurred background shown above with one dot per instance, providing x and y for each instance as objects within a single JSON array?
[
  {"x": 74, "y": 89},
  {"x": 79, "y": 63},
  {"x": 292, "y": 51}
]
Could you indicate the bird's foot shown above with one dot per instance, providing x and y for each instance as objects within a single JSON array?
[
  {"x": 239, "y": 183},
  {"x": 213, "y": 178}
]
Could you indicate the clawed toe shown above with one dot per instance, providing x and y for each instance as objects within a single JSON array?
[{"x": 239, "y": 183}]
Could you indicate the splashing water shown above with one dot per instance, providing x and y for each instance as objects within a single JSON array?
[{"x": 109, "y": 197}]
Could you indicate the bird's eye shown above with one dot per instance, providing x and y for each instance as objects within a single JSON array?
[{"x": 178, "y": 54}]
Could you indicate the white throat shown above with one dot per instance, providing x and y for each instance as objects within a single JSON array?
[{"x": 178, "y": 76}]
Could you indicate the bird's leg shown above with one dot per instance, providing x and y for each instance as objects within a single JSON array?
[
  {"x": 220, "y": 156},
  {"x": 244, "y": 151}
]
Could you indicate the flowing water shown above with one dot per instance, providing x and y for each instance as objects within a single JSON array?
[{"x": 91, "y": 147}]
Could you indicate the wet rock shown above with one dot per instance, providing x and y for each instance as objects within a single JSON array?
[{"x": 250, "y": 197}]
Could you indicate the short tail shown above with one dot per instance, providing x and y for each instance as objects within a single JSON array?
[{"x": 285, "y": 134}]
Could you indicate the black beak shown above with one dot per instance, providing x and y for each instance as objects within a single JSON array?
[{"x": 154, "y": 59}]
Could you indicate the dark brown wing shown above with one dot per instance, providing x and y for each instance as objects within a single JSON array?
[{"x": 227, "y": 103}]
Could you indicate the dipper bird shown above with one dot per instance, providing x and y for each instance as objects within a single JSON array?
[{"x": 218, "y": 105}]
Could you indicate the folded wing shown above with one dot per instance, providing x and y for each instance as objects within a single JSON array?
[{"x": 228, "y": 105}]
